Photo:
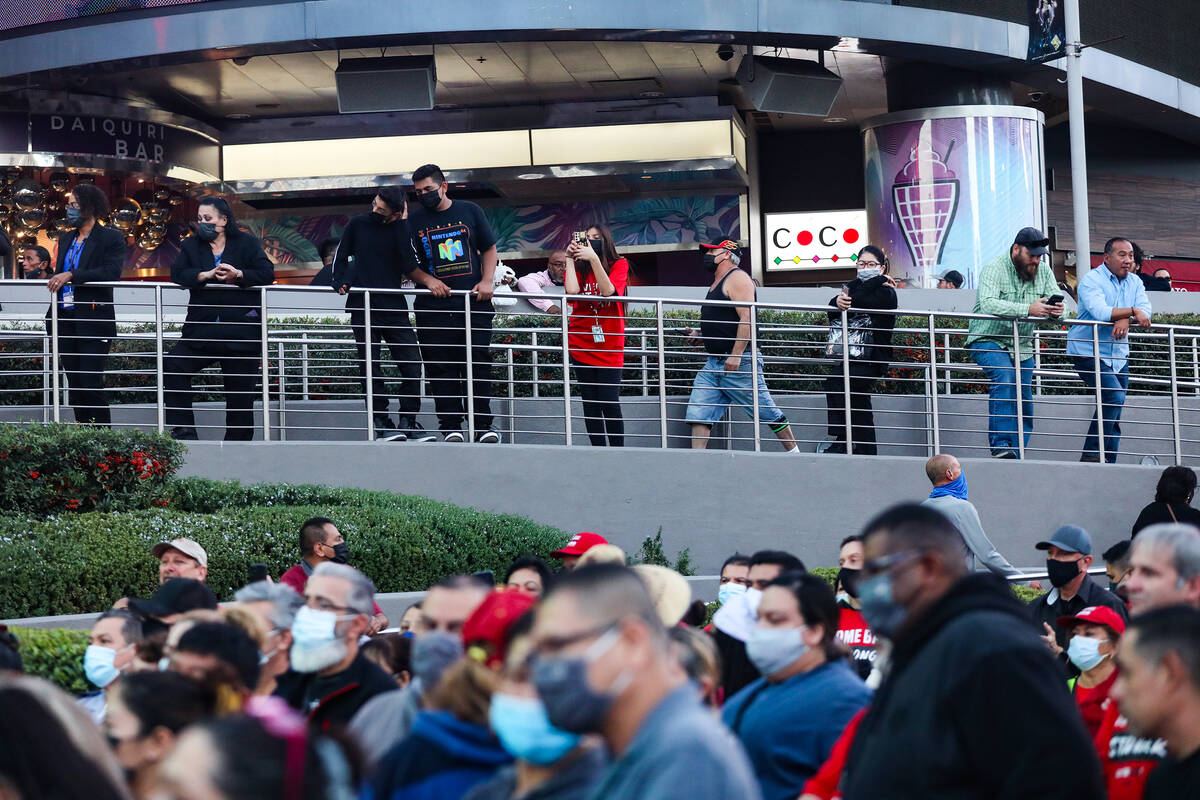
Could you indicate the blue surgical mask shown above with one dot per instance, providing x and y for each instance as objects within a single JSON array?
[
  {"x": 1084, "y": 652},
  {"x": 775, "y": 649},
  {"x": 869, "y": 272},
  {"x": 879, "y": 606},
  {"x": 98, "y": 665},
  {"x": 74, "y": 215},
  {"x": 728, "y": 590},
  {"x": 525, "y": 730},
  {"x": 164, "y": 663}
]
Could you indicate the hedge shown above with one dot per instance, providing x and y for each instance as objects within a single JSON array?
[{"x": 55, "y": 654}]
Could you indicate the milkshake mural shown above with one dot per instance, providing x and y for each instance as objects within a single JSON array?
[{"x": 948, "y": 188}]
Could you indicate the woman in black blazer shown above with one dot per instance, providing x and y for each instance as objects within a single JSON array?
[
  {"x": 86, "y": 321},
  {"x": 219, "y": 264}
]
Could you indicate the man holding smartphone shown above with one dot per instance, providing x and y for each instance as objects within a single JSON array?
[
  {"x": 1012, "y": 286},
  {"x": 1109, "y": 293}
]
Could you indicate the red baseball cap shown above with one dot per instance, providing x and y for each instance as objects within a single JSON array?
[
  {"x": 726, "y": 244},
  {"x": 1097, "y": 615},
  {"x": 485, "y": 631},
  {"x": 580, "y": 543}
]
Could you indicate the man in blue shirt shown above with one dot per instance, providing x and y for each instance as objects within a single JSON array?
[{"x": 1108, "y": 293}]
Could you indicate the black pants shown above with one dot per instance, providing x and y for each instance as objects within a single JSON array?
[
  {"x": 441, "y": 331},
  {"x": 83, "y": 359},
  {"x": 239, "y": 371},
  {"x": 862, "y": 419},
  {"x": 600, "y": 388},
  {"x": 392, "y": 327}
]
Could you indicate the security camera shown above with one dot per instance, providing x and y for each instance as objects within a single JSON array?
[
  {"x": 1036, "y": 97},
  {"x": 725, "y": 52},
  {"x": 241, "y": 61}
]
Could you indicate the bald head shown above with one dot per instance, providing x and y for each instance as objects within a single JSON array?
[{"x": 942, "y": 468}]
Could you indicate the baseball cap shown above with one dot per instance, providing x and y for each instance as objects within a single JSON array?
[
  {"x": 175, "y": 597},
  {"x": 486, "y": 631},
  {"x": 1099, "y": 615},
  {"x": 1071, "y": 538},
  {"x": 580, "y": 543},
  {"x": 1037, "y": 242},
  {"x": 953, "y": 276},
  {"x": 185, "y": 546},
  {"x": 724, "y": 244}
]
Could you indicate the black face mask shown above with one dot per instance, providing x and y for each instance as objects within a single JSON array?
[
  {"x": 849, "y": 579},
  {"x": 430, "y": 200},
  {"x": 377, "y": 218},
  {"x": 206, "y": 231},
  {"x": 710, "y": 263},
  {"x": 1061, "y": 572},
  {"x": 341, "y": 553}
]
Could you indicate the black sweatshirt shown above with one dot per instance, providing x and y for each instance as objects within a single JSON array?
[{"x": 383, "y": 254}]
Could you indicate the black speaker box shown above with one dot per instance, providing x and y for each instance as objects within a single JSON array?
[
  {"x": 788, "y": 86},
  {"x": 393, "y": 83}
]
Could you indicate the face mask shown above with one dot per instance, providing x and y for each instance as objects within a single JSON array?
[
  {"x": 164, "y": 663},
  {"x": 377, "y": 218},
  {"x": 879, "y": 606},
  {"x": 1061, "y": 572},
  {"x": 869, "y": 272},
  {"x": 753, "y": 598},
  {"x": 571, "y": 703},
  {"x": 525, "y": 730},
  {"x": 1084, "y": 652},
  {"x": 849, "y": 579},
  {"x": 341, "y": 553},
  {"x": 710, "y": 262},
  {"x": 315, "y": 643},
  {"x": 774, "y": 649},
  {"x": 842, "y": 598},
  {"x": 98, "y": 665},
  {"x": 206, "y": 231},
  {"x": 263, "y": 658},
  {"x": 74, "y": 215},
  {"x": 729, "y": 590},
  {"x": 430, "y": 200}
]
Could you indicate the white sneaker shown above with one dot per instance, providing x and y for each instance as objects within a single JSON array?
[{"x": 453, "y": 436}]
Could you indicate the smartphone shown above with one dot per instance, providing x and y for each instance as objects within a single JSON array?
[
  {"x": 1055, "y": 300},
  {"x": 579, "y": 237},
  {"x": 258, "y": 572}
]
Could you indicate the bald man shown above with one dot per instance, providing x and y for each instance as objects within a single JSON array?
[{"x": 949, "y": 496}]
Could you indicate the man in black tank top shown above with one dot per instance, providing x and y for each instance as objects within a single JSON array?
[{"x": 727, "y": 378}]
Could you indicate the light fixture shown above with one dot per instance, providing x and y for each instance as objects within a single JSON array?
[
  {"x": 835, "y": 120},
  {"x": 530, "y": 176}
]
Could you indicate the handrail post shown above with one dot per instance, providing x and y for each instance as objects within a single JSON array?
[
  {"x": 1195, "y": 365},
  {"x": 949, "y": 380},
  {"x": 281, "y": 362},
  {"x": 266, "y": 368},
  {"x": 846, "y": 417},
  {"x": 46, "y": 379},
  {"x": 1037, "y": 360},
  {"x": 1174, "y": 396},
  {"x": 533, "y": 362},
  {"x": 304, "y": 365},
  {"x": 1099, "y": 394},
  {"x": 55, "y": 379},
  {"x": 159, "y": 371},
  {"x": 754, "y": 376},
  {"x": 512, "y": 396},
  {"x": 563, "y": 321},
  {"x": 369, "y": 367},
  {"x": 662, "y": 372},
  {"x": 1020, "y": 389},
  {"x": 646, "y": 366},
  {"x": 470, "y": 398},
  {"x": 937, "y": 434}
]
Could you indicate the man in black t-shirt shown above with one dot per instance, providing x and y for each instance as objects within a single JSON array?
[{"x": 456, "y": 249}]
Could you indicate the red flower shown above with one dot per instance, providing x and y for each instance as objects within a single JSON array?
[{"x": 34, "y": 474}]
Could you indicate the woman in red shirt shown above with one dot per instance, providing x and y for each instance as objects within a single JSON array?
[
  {"x": 1096, "y": 630},
  {"x": 596, "y": 333}
]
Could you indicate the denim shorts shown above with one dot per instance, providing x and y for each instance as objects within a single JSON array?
[{"x": 715, "y": 389}]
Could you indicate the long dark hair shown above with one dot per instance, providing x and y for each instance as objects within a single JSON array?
[
  {"x": 1176, "y": 485},
  {"x": 818, "y": 606},
  {"x": 221, "y": 206},
  {"x": 166, "y": 700},
  {"x": 608, "y": 250}
]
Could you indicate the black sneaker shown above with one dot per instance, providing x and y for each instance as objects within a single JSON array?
[
  {"x": 453, "y": 436},
  {"x": 1004, "y": 454},
  {"x": 489, "y": 436},
  {"x": 416, "y": 431},
  {"x": 385, "y": 431},
  {"x": 185, "y": 435}
]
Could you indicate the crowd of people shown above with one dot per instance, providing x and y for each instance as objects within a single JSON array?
[
  {"x": 912, "y": 676},
  {"x": 445, "y": 245}
]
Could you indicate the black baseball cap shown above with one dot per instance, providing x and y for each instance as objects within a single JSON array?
[
  {"x": 175, "y": 597},
  {"x": 1037, "y": 242},
  {"x": 953, "y": 276}
]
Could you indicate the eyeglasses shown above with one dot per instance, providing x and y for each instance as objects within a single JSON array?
[
  {"x": 862, "y": 263},
  {"x": 321, "y": 604},
  {"x": 875, "y": 566},
  {"x": 556, "y": 644}
]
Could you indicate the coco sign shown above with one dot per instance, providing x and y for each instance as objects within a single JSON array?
[{"x": 813, "y": 240}]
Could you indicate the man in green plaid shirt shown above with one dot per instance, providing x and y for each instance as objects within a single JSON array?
[{"x": 1012, "y": 286}]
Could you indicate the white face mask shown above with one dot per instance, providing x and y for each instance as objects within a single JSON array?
[
  {"x": 775, "y": 649},
  {"x": 729, "y": 590},
  {"x": 315, "y": 643},
  {"x": 869, "y": 272},
  {"x": 753, "y": 598}
]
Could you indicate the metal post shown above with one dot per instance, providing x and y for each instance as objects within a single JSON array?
[
  {"x": 1020, "y": 389},
  {"x": 1079, "y": 190},
  {"x": 949, "y": 380},
  {"x": 846, "y": 381},
  {"x": 55, "y": 380},
  {"x": 1037, "y": 360},
  {"x": 470, "y": 398},
  {"x": 937, "y": 433},
  {"x": 1099, "y": 394},
  {"x": 159, "y": 371},
  {"x": 662, "y": 371},
  {"x": 304, "y": 365},
  {"x": 512, "y": 397},
  {"x": 533, "y": 362},
  {"x": 1174, "y": 396},
  {"x": 370, "y": 366},
  {"x": 266, "y": 369},
  {"x": 753, "y": 377},
  {"x": 46, "y": 379},
  {"x": 1195, "y": 365},
  {"x": 282, "y": 367},
  {"x": 646, "y": 367},
  {"x": 566, "y": 384}
]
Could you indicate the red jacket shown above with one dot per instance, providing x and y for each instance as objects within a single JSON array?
[{"x": 297, "y": 578}]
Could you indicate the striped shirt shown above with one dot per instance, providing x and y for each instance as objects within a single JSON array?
[{"x": 1002, "y": 293}]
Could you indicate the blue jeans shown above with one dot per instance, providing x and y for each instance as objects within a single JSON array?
[
  {"x": 714, "y": 389},
  {"x": 1002, "y": 407},
  {"x": 1112, "y": 399}
]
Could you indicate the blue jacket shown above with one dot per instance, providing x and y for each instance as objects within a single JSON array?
[
  {"x": 441, "y": 759},
  {"x": 789, "y": 728}
]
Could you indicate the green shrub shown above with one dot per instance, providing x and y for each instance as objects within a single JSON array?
[
  {"x": 55, "y": 654},
  {"x": 652, "y": 552},
  {"x": 48, "y": 469}
]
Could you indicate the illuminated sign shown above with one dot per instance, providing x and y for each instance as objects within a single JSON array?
[{"x": 813, "y": 240}]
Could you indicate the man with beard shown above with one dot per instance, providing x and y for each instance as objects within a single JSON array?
[
  {"x": 726, "y": 377},
  {"x": 329, "y": 679},
  {"x": 552, "y": 275},
  {"x": 1012, "y": 286}
]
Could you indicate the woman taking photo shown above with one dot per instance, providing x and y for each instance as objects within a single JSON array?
[
  {"x": 219, "y": 265},
  {"x": 869, "y": 338},
  {"x": 596, "y": 333},
  {"x": 789, "y": 719},
  {"x": 86, "y": 322}
]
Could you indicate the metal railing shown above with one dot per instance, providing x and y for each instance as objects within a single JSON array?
[{"x": 893, "y": 381}]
